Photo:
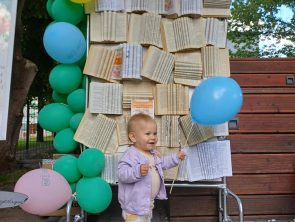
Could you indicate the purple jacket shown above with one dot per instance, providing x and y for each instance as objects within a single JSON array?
[{"x": 135, "y": 190}]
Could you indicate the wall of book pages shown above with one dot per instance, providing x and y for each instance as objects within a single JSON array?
[{"x": 148, "y": 56}]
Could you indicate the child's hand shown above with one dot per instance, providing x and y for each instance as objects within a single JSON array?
[
  {"x": 144, "y": 169},
  {"x": 181, "y": 155}
]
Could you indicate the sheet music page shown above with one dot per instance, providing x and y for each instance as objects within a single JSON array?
[
  {"x": 209, "y": 160},
  {"x": 182, "y": 169},
  {"x": 194, "y": 166}
]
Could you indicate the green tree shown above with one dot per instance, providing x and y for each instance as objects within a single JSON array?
[
  {"x": 258, "y": 20},
  {"x": 35, "y": 20}
]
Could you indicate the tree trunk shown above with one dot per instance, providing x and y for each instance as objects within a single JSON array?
[
  {"x": 23, "y": 73},
  {"x": 40, "y": 134}
]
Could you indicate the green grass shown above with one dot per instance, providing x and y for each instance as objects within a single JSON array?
[
  {"x": 21, "y": 145},
  {"x": 10, "y": 178}
]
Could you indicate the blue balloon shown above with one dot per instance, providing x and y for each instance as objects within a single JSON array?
[
  {"x": 64, "y": 42},
  {"x": 215, "y": 101}
]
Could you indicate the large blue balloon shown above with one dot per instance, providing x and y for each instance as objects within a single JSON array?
[
  {"x": 64, "y": 42},
  {"x": 215, "y": 101}
]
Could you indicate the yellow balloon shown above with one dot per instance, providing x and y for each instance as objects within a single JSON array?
[{"x": 80, "y": 1}]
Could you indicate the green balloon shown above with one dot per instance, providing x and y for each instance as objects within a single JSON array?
[
  {"x": 66, "y": 11},
  {"x": 76, "y": 100},
  {"x": 55, "y": 117},
  {"x": 83, "y": 83},
  {"x": 59, "y": 98},
  {"x": 91, "y": 162},
  {"x": 64, "y": 141},
  {"x": 94, "y": 194},
  {"x": 67, "y": 167},
  {"x": 49, "y": 6},
  {"x": 65, "y": 78},
  {"x": 75, "y": 121},
  {"x": 83, "y": 26},
  {"x": 73, "y": 187}
]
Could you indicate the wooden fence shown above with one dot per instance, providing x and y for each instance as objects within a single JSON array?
[{"x": 263, "y": 148}]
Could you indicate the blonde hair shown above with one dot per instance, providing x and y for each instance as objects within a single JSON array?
[{"x": 137, "y": 118}]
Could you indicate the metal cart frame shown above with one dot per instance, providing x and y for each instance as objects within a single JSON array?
[{"x": 223, "y": 193}]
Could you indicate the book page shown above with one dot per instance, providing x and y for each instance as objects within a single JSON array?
[
  {"x": 132, "y": 61},
  {"x": 224, "y": 64},
  {"x": 196, "y": 32},
  {"x": 183, "y": 34},
  {"x": 216, "y": 32},
  {"x": 225, "y": 4},
  {"x": 110, "y": 5},
  {"x": 168, "y": 131},
  {"x": 95, "y": 131},
  {"x": 142, "y": 106},
  {"x": 113, "y": 144},
  {"x": 108, "y": 27},
  {"x": 137, "y": 90},
  {"x": 158, "y": 65},
  {"x": 171, "y": 99},
  {"x": 116, "y": 73},
  {"x": 216, "y": 13},
  {"x": 161, "y": 94},
  {"x": 100, "y": 62},
  {"x": 191, "y": 7},
  {"x": 135, "y": 28},
  {"x": 172, "y": 8},
  {"x": 188, "y": 68},
  {"x": 194, "y": 132},
  {"x": 145, "y": 29},
  {"x": 151, "y": 34},
  {"x": 120, "y": 29},
  {"x": 211, "y": 61},
  {"x": 221, "y": 129},
  {"x": 106, "y": 98},
  {"x": 122, "y": 134}
]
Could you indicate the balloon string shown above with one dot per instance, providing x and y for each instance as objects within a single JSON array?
[
  {"x": 74, "y": 195},
  {"x": 177, "y": 171}
]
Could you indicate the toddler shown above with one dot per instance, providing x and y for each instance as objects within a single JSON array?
[{"x": 140, "y": 170}]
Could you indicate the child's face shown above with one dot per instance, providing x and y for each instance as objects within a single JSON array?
[{"x": 144, "y": 136}]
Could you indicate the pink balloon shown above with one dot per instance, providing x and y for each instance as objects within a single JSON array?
[{"x": 47, "y": 191}]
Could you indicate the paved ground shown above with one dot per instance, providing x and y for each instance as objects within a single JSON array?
[{"x": 113, "y": 214}]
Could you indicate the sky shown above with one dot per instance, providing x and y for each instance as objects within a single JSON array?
[{"x": 286, "y": 14}]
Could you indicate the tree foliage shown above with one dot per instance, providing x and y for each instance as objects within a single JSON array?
[
  {"x": 254, "y": 21},
  {"x": 35, "y": 20}
]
